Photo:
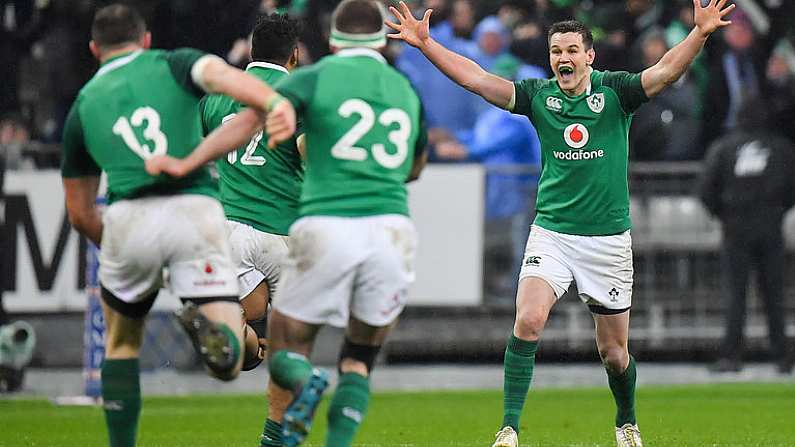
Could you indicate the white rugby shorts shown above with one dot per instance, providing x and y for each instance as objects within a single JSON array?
[
  {"x": 185, "y": 233},
  {"x": 258, "y": 256},
  {"x": 601, "y": 265},
  {"x": 339, "y": 267}
]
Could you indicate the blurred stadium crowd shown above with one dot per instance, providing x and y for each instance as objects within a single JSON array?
[{"x": 45, "y": 61}]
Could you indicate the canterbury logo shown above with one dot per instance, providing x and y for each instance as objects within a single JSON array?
[
  {"x": 353, "y": 414},
  {"x": 555, "y": 104}
]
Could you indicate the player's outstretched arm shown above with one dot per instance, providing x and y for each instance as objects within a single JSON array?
[
  {"x": 461, "y": 70},
  {"x": 677, "y": 60},
  {"x": 81, "y": 198},
  {"x": 226, "y": 138}
]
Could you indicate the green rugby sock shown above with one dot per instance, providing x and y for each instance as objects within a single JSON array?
[
  {"x": 289, "y": 369},
  {"x": 121, "y": 394},
  {"x": 347, "y": 409},
  {"x": 271, "y": 434},
  {"x": 520, "y": 358},
  {"x": 623, "y": 388}
]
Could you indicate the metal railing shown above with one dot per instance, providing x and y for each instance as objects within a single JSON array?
[{"x": 677, "y": 299}]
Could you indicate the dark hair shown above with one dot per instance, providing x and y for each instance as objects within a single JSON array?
[
  {"x": 572, "y": 26},
  {"x": 274, "y": 38},
  {"x": 116, "y": 25},
  {"x": 358, "y": 17}
]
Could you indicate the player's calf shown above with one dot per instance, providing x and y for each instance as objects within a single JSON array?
[
  {"x": 352, "y": 396},
  {"x": 255, "y": 325},
  {"x": 278, "y": 401},
  {"x": 255, "y": 344}
]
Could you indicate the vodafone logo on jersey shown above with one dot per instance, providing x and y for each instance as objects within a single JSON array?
[{"x": 576, "y": 135}]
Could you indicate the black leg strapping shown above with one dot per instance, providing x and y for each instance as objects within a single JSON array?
[{"x": 362, "y": 353}]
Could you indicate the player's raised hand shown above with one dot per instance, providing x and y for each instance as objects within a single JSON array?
[
  {"x": 709, "y": 18},
  {"x": 410, "y": 30},
  {"x": 280, "y": 123},
  {"x": 166, "y": 164}
]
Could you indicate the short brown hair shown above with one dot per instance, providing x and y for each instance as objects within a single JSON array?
[
  {"x": 572, "y": 26},
  {"x": 116, "y": 25},
  {"x": 358, "y": 17}
]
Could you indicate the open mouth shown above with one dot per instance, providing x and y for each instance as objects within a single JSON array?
[{"x": 566, "y": 72}]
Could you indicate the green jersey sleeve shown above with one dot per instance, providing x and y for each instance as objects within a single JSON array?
[
  {"x": 181, "y": 62},
  {"x": 525, "y": 90},
  {"x": 628, "y": 87},
  {"x": 75, "y": 159},
  {"x": 299, "y": 87}
]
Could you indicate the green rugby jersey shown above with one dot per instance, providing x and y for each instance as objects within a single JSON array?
[
  {"x": 363, "y": 125},
  {"x": 583, "y": 189},
  {"x": 259, "y": 187},
  {"x": 137, "y": 105}
]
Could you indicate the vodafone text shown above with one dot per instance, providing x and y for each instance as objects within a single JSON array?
[{"x": 579, "y": 155}]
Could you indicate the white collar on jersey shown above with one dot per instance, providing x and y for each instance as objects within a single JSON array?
[
  {"x": 588, "y": 89},
  {"x": 266, "y": 65},
  {"x": 120, "y": 62},
  {"x": 368, "y": 52}
]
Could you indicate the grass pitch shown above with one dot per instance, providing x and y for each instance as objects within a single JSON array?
[{"x": 698, "y": 416}]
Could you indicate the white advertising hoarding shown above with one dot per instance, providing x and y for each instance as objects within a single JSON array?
[{"x": 44, "y": 264}]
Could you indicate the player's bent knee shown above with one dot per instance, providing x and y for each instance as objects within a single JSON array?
[
  {"x": 529, "y": 324},
  {"x": 615, "y": 358},
  {"x": 357, "y": 358}
]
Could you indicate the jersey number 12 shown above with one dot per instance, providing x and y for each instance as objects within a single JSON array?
[{"x": 248, "y": 158}]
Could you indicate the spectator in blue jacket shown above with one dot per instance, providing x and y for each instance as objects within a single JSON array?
[{"x": 508, "y": 146}]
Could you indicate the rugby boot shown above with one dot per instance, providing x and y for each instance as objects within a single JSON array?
[
  {"x": 212, "y": 344},
  {"x": 628, "y": 435},
  {"x": 299, "y": 414},
  {"x": 506, "y": 437}
]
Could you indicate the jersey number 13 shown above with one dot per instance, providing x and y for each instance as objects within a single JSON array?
[{"x": 124, "y": 128}]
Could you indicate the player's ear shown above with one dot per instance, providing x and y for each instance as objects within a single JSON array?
[
  {"x": 293, "y": 62},
  {"x": 590, "y": 56},
  {"x": 146, "y": 41},
  {"x": 92, "y": 46}
]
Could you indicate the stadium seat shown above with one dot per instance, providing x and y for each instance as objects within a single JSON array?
[{"x": 682, "y": 222}]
